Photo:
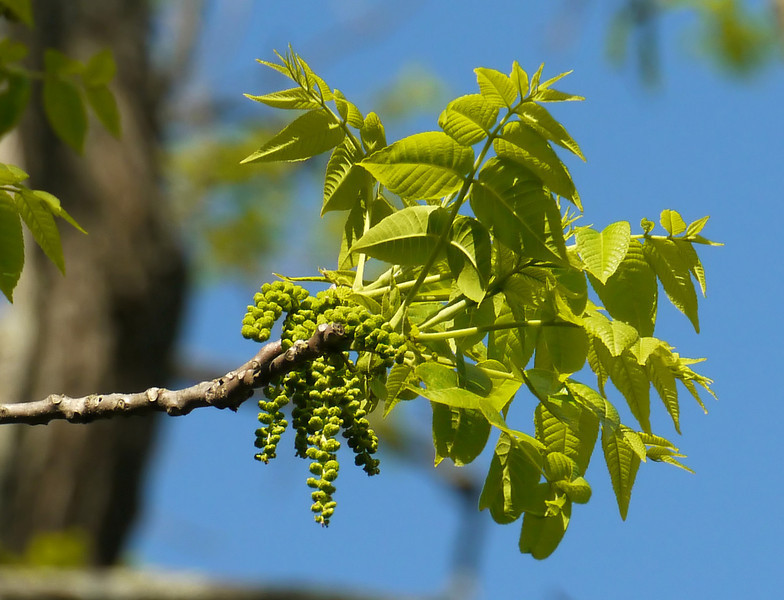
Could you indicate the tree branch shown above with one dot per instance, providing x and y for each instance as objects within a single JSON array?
[{"x": 228, "y": 391}]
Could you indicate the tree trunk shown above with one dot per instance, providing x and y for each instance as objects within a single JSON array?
[{"x": 110, "y": 323}]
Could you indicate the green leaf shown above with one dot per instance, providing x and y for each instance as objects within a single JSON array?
[
  {"x": 421, "y": 166},
  {"x": 459, "y": 434},
  {"x": 407, "y": 236},
  {"x": 65, "y": 111},
  {"x": 560, "y": 437},
  {"x": 344, "y": 180},
  {"x": 593, "y": 401},
  {"x": 540, "y": 536},
  {"x": 542, "y": 121},
  {"x": 663, "y": 380},
  {"x": 100, "y": 69},
  {"x": 11, "y": 246},
  {"x": 566, "y": 346},
  {"x": 11, "y": 174},
  {"x": 471, "y": 241},
  {"x": 308, "y": 135},
  {"x": 496, "y": 87},
  {"x": 292, "y": 98},
  {"x": 622, "y": 463},
  {"x": 13, "y": 100},
  {"x": 510, "y": 200},
  {"x": 672, "y": 269},
  {"x": 53, "y": 204},
  {"x": 468, "y": 119},
  {"x": 104, "y": 105},
  {"x": 631, "y": 293},
  {"x": 689, "y": 254},
  {"x": 39, "y": 220},
  {"x": 22, "y": 10},
  {"x": 672, "y": 222},
  {"x": 603, "y": 252},
  {"x": 348, "y": 111},
  {"x": 632, "y": 381},
  {"x": 443, "y": 387},
  {"x": 512, "y": 483},
  {"x": 578, "y": 490},
  {"x": 372, "y": 133},
  {"x": 615, "y": 335},
  {"x": 520, "y": 79},
  {"x": 550, "y": 95},
  {"x": 397, "y": 380},
  {"x": 695, "y": 227},
  {"x": 524, "y": 145}
]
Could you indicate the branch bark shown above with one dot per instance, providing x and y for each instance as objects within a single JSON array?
[{"x": 227, "y": 391}]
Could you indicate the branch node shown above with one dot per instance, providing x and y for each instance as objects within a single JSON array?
[
  {"x": 153, "y": 394},
  {"x": 55, "y": 399}
]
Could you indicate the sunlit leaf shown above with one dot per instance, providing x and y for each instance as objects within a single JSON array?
[
  {"x": 407, "y": 236},
  {"x": 421, "y": 166},
  {"x": 344, "y": 180},
  {"x": 348, "y": 111},
  {"x": 523, "y": 144},
  {"x": 632, "y": 381},
  {"x": 458, "y": 434},
  {"x": 630, "y": 294},
  {"x": 293, "y": 98},
  {"x": 672, "y": 222},
  {"x": 308, "y": 135},
  {"x": 509, "y": 199},
  {"x": 603, "y": 252},
  {"x": 468, "y": 119},
  {"x": 497, "y": 87},
  {"x": 540, "y": 119},
  {"x": 39, "y": 220},
  {"x": 615, "y": 335},
  {"x": 622, "y": 463},
  {"x": 540, "y": 536},
  {"x": 672, "y": 269}
]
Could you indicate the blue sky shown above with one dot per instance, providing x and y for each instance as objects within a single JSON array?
[{"x": 700, "y": 143}]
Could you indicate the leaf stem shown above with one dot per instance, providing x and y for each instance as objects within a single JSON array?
[{"x": 467, "y": 331}]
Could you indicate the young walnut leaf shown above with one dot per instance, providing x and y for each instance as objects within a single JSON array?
[
  {"x": 672, "y": 269},
  {"x": 293, "y": 98},
  {"x": 524, "y": 145},
  {"x": 11, "y": 246},
  {"x": 421, "y": 166},
  {"x": 630, "y": 294},
  {"x": 540, "y": 535},
  {"x": 468, "y": 119},
  {"x": 622, "y": 463},
  {"x": 407, "y": 236},
  {"x": 497, "y": 87},
  {"x": 343, "y": 180},
  {"x": 603, "y": 252},
  {"x": 39, "y": 220},
  {"x": 308, "y": 135},
  {"x": 540, "y": 119}
]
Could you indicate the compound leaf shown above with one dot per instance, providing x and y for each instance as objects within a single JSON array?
[{"x": 293, "y": 98}]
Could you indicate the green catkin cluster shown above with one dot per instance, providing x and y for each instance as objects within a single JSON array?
[{"x": 329, "y": 395}]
